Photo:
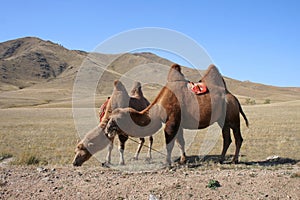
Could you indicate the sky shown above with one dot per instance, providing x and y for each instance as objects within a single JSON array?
[{"x": 248, "y": 40}]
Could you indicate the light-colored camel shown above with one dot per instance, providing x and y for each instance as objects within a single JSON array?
[
  {"x": 179, "y": 109},
  {"x": 95, "y": 140},
  {"x": 121, "y": 99}
]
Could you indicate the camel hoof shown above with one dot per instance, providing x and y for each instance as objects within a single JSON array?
[
  {"x": 168, "y": 166},
  {"x": 235, "y": 162},
  {"x": 148, "y": 159},
  {"x": 106, "y": 164},
  {"x": 182, "y": 161},
  {"x": 135, "y": 158},
  {"x": 122, "y": 163}
]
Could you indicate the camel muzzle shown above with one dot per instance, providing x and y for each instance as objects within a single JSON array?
[{"x": 76, "y": 164}]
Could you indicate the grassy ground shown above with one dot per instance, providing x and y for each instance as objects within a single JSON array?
[{"x": 49, "y": 136}]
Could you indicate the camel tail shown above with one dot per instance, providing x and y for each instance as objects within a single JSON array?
[{"x": 243, "y": 114}]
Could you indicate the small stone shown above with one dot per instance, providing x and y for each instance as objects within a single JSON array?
[
  {"x": 46, "y": 179},
  {"x": 40, "y": 169},
  {"x": 152, "y": 197}
]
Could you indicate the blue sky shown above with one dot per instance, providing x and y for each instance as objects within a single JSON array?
[{"x": 248, "y": 40}]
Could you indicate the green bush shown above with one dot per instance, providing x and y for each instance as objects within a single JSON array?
[
  {"x": 267, "y": 101},
  {"x": 27, "y": 159},
  {"x": 249, "y": 101},
  {"x": 5, "y": 156},
  {"x": 213, "y": 184}
]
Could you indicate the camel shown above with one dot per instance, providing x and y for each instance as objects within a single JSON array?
[
  {"x": 95, "y": 140},
  {"x": 120, "y": 99},
  {"x": 178, "y": 108}
]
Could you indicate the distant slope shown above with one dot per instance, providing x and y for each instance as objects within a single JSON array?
[
  {"x": 34, "y": 72},
  {"x": 27, "y": 61}
]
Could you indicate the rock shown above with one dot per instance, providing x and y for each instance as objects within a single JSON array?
[
  {"x": 273, "y": 158},
  {"x": 42, "y": 169},
  {"x": 152, "y": 197}
]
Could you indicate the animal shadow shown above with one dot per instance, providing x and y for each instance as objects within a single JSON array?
[{"x": 197, "y": 161}]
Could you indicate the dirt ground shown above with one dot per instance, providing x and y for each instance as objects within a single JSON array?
[{"x": 243, "y": 181}]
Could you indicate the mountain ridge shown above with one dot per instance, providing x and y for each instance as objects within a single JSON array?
[{"x": 43, "y": 72}]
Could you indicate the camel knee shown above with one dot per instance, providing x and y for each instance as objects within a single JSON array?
[
  {"x": 151, "y": 139},
  {"x": 142, "y": 141},
  {"x": 239, "y": 141}
]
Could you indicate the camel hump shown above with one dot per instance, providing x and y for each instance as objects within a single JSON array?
[
  {"x": 136, "y": 89},
  {"x": 213, "y": 77},
  {"x": 176, "y": 67},
  {"x": 175, "y": 73},
  {"x": 137, "y": 84},
  {"x": 119, "y": 85}
]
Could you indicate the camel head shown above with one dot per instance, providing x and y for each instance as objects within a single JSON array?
[
  {"x": 95, "y": 140},
  {"x": 81, "y": 155}
]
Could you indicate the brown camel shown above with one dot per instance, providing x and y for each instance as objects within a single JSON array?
[
  {"x": 179, "y": 109},
  {"x": 119, "y": 99}
]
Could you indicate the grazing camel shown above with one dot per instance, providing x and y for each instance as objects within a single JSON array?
[
  {"x": 95, "y": 140},
  {"x": 179, "y": 108},
  {"x": 121, "y": 99}
]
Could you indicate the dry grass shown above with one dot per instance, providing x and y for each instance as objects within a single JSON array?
[{"x": 49, "y": 135}]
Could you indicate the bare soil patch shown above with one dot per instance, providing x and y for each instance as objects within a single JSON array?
[{"x": 253, "y": 181}]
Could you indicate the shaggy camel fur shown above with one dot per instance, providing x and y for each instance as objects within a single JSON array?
[
  {"x": 121, "y": 99},
  {"x": 179, "y": 108}
]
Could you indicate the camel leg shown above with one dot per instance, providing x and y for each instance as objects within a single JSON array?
[
  {"x": 170, "y": 133},
  {"x": 181, "y": 144},
  {"x": 238, "y": 143},
  {"x": 150, "y": 147},
  {"x": 136, "y": 156},
  {"x": 226, "y": 142},
  {"x": 122, "y": 139},
  {"x": 170, "y": 146},
  {"x": 110, "y": 148}
]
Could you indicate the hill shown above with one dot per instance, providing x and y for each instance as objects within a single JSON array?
[
  {"x": 34, "y": 72},
  {"x": 28, "y": 61}
]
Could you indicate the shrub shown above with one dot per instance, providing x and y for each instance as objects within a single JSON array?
[
  {"x": 249, "y": 101},
  {"x": 213, "y": 184},
  {"x": 5, "y": 156},
  {"x": 27, "y": 159},
  {"x": 267, "y": 101}
]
